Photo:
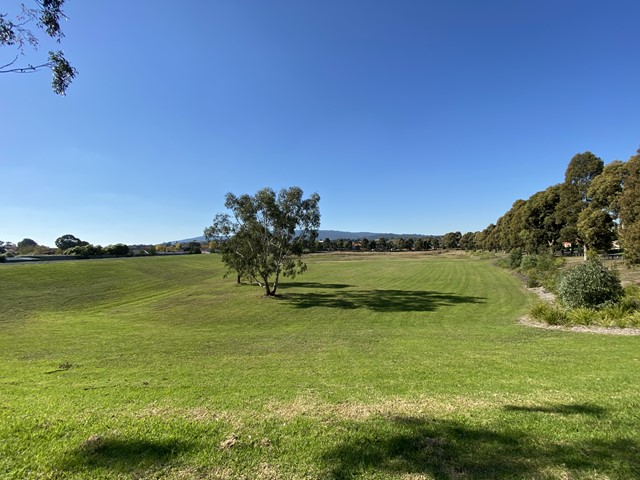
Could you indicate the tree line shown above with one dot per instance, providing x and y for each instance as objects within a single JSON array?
[
  {"x": 594, "y": 210},
  {"x": 381, "y": 244},
  {"x": 595, "y": 206},
  {"x": 67, "y": 244}
]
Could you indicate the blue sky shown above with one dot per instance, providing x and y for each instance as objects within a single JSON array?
[{"x": 407, "y": 116}]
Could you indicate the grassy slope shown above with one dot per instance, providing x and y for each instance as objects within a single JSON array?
[{"x": 369, "y": 366}]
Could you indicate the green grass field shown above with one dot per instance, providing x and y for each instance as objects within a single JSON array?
[{"x": 368, "y": 366}]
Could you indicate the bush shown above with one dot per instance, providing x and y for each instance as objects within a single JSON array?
[
  {"x": 616, "y": 315},
  {"x": 117, "y": 249},
  {"x": 529, "y": 262},
  {"x": 87, "y": 250},
  {"x": 550, "y": 314},
  {"x": 77, "y": 251},
  {"x": 515, "y": 258},
  {"x": 584, "y": 316},
  {"x": 533, "y": 280},
  {"x": 589, "y": 285},
  {"x": 3, "y": 258},
  {"x": 540, "y": 270}
]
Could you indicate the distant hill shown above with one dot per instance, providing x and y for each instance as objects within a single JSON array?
[{"x": 335, "y": 235}]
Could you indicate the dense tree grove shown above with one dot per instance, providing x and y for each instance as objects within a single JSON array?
[{"x": 594, "y": 206}]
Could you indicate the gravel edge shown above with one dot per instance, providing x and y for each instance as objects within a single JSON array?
[{"x": 550, "y": 297}]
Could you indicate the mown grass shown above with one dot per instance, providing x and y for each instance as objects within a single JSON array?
[{"x": 368, "y": 366}]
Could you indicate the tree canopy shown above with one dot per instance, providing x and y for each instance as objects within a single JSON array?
[
  {"x": 68, "y": 241},
  {"x": 26, "y": 246},
  {"x": 265, "y": 236},
  {"x": 16, "y": 34},
  {"x": 594, "y": 206}
]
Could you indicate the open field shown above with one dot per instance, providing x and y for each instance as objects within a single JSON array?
[{"x": 369, "y": 366}]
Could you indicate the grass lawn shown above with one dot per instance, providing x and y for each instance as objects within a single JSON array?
[{"x": 368, "y": 366}]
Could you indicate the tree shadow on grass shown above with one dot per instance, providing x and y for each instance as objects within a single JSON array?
[
  {"x": 379, "y": 300},
  {"x": 332, "y": 286},
  {"x": 561, "y": 409},
  {"x": 122, "y": 454},
  {"x": 445, "y": 449}
]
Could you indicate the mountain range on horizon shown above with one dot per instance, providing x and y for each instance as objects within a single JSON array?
[{"x": 335, "y": 235}]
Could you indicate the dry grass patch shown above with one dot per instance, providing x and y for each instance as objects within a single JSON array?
[{"x": 425, "y": 405}]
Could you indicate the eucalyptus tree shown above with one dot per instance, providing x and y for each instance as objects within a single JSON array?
[
  {"x": 596, "y": 229},
  {"x": 607, "y": 188},
  {"x": 265, "y": 234},
  {"x": 17, "y": 35},
  {"x": 542, "y": 227},
  {"x": 468, "y": 241},
  {"x": 629, "y": 204},
  {"x": 581, "y": 172},
  {"x": 451, "y": 240}
]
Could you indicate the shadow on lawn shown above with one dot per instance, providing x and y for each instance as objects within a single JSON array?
[
  {"x": 333, "y": 286},
  {"x": 378, "y": 300},
  {"x": 444, "y": 449},
  {"x": 122, "y": 455},
  {"x": 562, "y": 409}
]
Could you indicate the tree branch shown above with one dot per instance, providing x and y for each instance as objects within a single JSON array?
[
  {"x": 28, "y": 69},
  {"x": 2, "y": 67}
]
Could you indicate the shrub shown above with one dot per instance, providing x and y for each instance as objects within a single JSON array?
[
  {"x": 533, "y": 281},
  {"x": 3, "y": 258},
  {"x": 117, "y": 249},
  {"x": 515, "y": 258},
  {"x": 550, "y": 314},
  {"x": 77, "y": 251},
  {"x": 634, "y": 320},
  {"x": 590, "y": 284},
  {"x": 540, "y": 270},
  {"x": 529, "y": 262},
  {"x": 632, "y": 292},
  {"x": 583, "y": 316},
  {"x": 616, "y": 315}
]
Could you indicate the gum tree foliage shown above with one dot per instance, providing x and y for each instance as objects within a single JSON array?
[
  {"x": 468, "y": 241},
  {"x": 592, "y": 207},
  {"x": 451, "y": 240},
  {"x": 607, "y": 188},
  {"x": 542, "y": 226},
  {"x": 581, "y": 172},
  {"x": 265, "y": 234},
  {"x": 21, "y": 33},
  {"x": 596, "y": 229},
  {"x": 629, "y": 204}
]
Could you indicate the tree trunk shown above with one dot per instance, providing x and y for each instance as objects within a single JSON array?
[
  {"x": 267, "y": 291},
  {"x": 585, "y": 252}
]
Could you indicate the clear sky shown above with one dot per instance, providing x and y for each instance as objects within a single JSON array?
[{"x": 405, "y": 116}]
